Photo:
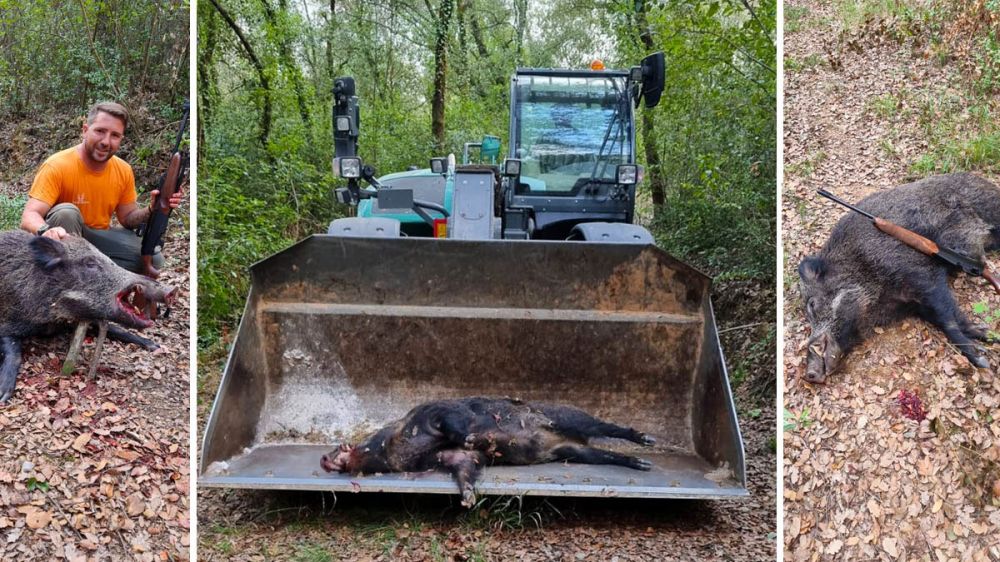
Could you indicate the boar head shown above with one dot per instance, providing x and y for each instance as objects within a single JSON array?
[
  {"x": 835, "y": 307},
  {"x": 87, "y": 285}
]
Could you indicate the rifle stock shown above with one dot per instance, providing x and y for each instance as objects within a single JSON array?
[{"x": 908, "y": 237}]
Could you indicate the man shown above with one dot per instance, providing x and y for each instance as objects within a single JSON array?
[{"x": 76, "y": 191}]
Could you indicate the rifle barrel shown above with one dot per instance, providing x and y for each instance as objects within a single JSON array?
[{"x": 836, "y": 199}]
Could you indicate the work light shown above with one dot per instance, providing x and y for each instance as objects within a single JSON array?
[{"x": 512, "y": 167}]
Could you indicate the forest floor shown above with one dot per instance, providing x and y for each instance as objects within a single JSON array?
[
  {"x": 96, "y": 469},
  {"x": 313, "y": 526},
  {"x": 870, "y": 105}
]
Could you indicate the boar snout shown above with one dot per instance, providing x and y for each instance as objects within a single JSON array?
[
  {"x": 336, "y": 460},
  {"x": 822, "y": 358},
  {"x": 137, "y": 303}
]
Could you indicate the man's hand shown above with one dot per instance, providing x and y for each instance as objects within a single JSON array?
[
  {"x": 55, "y": 233},
  {"x": 173, "y": 202}
]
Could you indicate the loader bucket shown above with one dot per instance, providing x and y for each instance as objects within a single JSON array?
[{"x": 343, "y": 335}]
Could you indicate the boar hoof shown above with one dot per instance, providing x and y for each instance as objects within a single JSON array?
[
  {"x": 641, "y": 464},
  {"x": 979, "y": 361},
  {"x": 468, "y": 497}
]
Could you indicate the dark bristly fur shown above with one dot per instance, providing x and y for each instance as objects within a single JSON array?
[
  {"x": 47, "y": 286},
  {"x": 864, "y": 278},
  {"x": 463, "y": 435}
]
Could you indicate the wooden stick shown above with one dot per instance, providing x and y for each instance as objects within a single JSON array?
[
  {"x": 95, "y": 359},
  {"x": 75, "y": 346}
]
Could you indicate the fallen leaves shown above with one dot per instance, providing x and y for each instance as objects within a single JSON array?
[
  {"x": 92, "y": 469},
  {"x": 868, "y": 482},
  {"x": 80, "y": 442}
]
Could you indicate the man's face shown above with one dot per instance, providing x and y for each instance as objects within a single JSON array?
[{"x": 102, "y": 137}]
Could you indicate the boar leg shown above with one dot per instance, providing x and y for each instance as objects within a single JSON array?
[
  {"x": 118, "y": 333},
  {"x": 591, "y": 455},
  {"x": 464, "y": 468},
  {"x": 10, "y": 349},
  {"x": 941, "y": 309},
  {"x": 580, "y": 426}
]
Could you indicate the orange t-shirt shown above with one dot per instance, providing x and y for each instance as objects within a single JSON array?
[{"x": 64, "y": 178}]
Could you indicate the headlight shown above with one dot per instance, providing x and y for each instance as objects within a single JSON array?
[
  {"x": 512, "y": 167},
  {"x": 347, "y": 167},
  {"x": 343, "y": 123},
  {"x": 438, "y": 165},
  {"x": 628, "y": 174}
]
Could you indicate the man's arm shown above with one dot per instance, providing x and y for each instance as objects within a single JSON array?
[
  {"x": 131, "y": 216},
  {"x": 33, "y": 217}
]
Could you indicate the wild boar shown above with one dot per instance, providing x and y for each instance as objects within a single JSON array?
[
  {"x": 463, "y": 435},
  {"x": 863, "y": 278},
  {"x": 47, "y": 286}
]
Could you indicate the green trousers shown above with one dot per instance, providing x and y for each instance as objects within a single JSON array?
[{"x": 119, "y": 244}]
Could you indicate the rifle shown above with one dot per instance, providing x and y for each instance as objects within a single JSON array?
[
  {"x": 156, "y": 225},
  {"x": 922, "y": 244}
]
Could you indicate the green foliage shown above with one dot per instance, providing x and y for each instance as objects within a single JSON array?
[
  {"x": 909, "y": 16},
  {"x": 715, "y": 131},
  {"x": 990, "y": 316},
  {"x": 810, "y": 62},
  {"x": 82, "y": 52},
  {"x": 726, "y": 228},
  {"x": 981, "y": 152},
  {"x": 806, "y": 167},
  {"x": 33, "y": 484},
  {"x": 510, "y": 513},
  {"x": 10, "y": 211},
  {"x": 312, "y": 553},
  {"x": 795, "y": 18},
  {"x": 885, "y": 106},
  {"x": 248, "y": 209},
  {"x": 795, "y": 422}
]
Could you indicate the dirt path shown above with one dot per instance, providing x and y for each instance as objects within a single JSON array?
[
  {"x": 861, "y": 481},
  {"x": 98, "y": 469}
]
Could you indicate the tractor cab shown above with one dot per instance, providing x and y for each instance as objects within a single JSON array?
[
  {"x": 570, "y": 130},
  {"x": 570, "y": 171}
]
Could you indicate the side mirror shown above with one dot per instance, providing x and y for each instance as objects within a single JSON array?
[{"x": 652, "y": 79}]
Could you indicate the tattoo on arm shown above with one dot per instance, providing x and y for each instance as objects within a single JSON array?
[{"x": 136, "y": 217}]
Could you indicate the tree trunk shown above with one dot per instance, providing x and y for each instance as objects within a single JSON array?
[
  {"x": 288, "y": 61},
  {"x": 440, "y": 73},
  {"x": 656, "y": 181},
  {"x": 206, "y": 79},
  {"x": 521, "y": 13},
  {"x": 265, "y": 117}
]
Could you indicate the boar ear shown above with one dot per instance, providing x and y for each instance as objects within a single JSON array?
[
  {"x": 48, "y": 253},
  {"x": 812, "y": 269}
]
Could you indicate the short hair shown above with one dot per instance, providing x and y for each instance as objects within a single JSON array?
[{"x": 111, "y": 108}]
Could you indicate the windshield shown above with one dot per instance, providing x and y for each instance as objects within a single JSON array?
[{"x": 571, "y": 131}]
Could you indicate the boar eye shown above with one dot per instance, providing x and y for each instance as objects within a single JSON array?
[
  {"x": 811, "y": 307},
  {"x": 91, "y": 263}
]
